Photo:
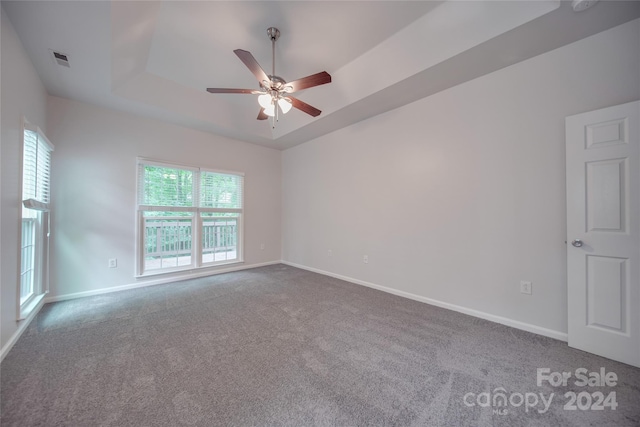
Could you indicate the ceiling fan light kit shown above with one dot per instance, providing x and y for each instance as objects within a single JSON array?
[{"x": 274, "y": 93}]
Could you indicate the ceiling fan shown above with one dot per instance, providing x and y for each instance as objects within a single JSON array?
[{"x": 274, "y": 92}]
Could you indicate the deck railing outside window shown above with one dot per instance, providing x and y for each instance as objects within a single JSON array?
[
  {"x": 168, "y": 241},
  {"x": 219, "y": 239}
]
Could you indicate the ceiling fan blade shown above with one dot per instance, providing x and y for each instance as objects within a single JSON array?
[
  {"x": 224, "y": 90},
  {"x": 303, "y": 106},
  {"x": 252, "y": 65},
  {"x": 262, "y": 115},
  {"x": 309, "y": 81}
]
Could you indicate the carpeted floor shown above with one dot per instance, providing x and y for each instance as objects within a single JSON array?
[{"x": 279, "y": 346}]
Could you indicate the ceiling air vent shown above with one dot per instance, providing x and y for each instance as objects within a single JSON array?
[{"x": 60, "y": 58}]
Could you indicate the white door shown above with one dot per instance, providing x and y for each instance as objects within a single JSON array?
[{"x": 603, "y": 232}]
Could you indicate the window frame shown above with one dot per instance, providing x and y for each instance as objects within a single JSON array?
[
  {"x": 196, "y": 220},
  {"x": 42, "y": 227}
]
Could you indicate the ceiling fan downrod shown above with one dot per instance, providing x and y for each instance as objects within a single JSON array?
[{"x": 274, "y": 35}]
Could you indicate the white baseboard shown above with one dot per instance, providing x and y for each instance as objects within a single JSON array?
[
  {"x": 161, "y": 281},
  {"x": 562, "y": 336},
  {"x": 22, "y": 326}
]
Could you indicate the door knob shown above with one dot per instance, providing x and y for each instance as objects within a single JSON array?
[{"x": 577, "y": 243}]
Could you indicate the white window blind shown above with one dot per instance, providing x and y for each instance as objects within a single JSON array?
[
  {"x": 166, "y": 186},
  {"x": 186, "y": 189},
  {"x": 220, "y": 192},
  {"x": 36, "y": 170}
]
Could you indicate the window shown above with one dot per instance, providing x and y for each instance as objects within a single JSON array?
[
  {"x": 188, "y": 217},
  {"x": 34, "y": 247}
]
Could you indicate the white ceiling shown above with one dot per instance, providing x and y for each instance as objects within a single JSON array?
[{"x": 156, "y": 59}]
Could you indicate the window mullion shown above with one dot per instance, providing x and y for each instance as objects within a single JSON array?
[
  {"x": 196, "y": 247},
  {"x": 196, "y": 251},
  {"x": 196, "y": 189}
]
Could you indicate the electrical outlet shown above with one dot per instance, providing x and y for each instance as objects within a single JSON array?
[
  {"x": 365, "y": 259},
  {"x": 329, "y": 252},
  {"x": 525, "y": 287},
  {"x": 262, "y": 246},
  {"x": 113, "y": 262}
]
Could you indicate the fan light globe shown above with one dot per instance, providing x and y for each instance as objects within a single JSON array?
[
  {"x": 285, "y": 105},
  {"x": 270, "y": 110},
  {"x": 265, "y": 100}
]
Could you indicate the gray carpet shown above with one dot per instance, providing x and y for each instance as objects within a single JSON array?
[{"x": 279, "y": 346}]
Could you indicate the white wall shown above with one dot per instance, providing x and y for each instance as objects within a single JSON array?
[
  {"x": 459, "y": 196},
  {"x": 94, "y": 190},
  {"x": 22, "y": 95}
]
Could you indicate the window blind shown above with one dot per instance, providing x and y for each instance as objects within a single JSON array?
[
  {"x": 221, "y": 191},
  {"x": 172, "y": 188},
  {"x": 165, "y": 186},
  {"x": 36, "y": 170}
]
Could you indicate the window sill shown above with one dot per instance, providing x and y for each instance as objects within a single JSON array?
[
  {"x": 27, "y": 308},
  {"x": 189, "y": 270}
]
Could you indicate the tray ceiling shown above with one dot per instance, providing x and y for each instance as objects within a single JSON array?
[{"x": 156, "y": 59}]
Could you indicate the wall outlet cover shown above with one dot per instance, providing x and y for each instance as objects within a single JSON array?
[{"x": 525, "y": 287}]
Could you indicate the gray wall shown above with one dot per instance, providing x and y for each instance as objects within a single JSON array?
[
  {"x": 459, "y": 196},
  {"x": 94, "y": 190}
]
